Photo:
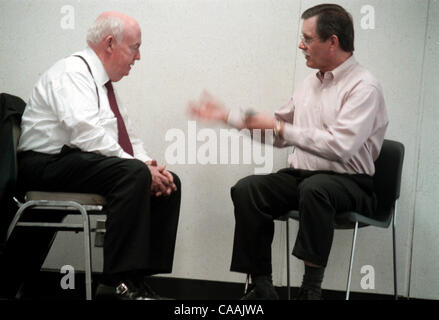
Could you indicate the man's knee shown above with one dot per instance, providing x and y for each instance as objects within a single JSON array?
[
  {"x": 242, "y": 186},
  {"x": 137, "y": 171},
  {"x": 314, "y": 187}
]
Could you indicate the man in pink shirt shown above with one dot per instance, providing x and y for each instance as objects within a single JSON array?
[{"x": 335, "y": 122}]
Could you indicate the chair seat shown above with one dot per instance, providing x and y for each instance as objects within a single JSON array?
[
  {"x": 81, "y": 198},
  {"x": 347, "y": 220}
]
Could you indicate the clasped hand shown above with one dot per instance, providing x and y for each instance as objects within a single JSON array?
[{"x": 162, "y": 180}]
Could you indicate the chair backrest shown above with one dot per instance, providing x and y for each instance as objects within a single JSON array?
[
  {"x": 16, "y": 132},
  {"x": 388, "y": 172}
]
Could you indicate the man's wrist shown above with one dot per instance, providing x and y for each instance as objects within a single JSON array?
[{"x": 151, "y": 162}]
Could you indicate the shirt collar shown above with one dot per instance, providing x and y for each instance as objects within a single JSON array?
[
  {"x": 100, "y": 75},
  {"x": 338, "y": 72}
]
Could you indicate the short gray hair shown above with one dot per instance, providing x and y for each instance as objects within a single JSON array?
[{"x": 103, "y": 27}]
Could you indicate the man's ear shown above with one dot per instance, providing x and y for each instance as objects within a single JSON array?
[
  {"x": 109, "y": 42},
  {"x": 334, "y": 42}
]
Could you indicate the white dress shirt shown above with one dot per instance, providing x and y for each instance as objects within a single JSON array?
[
  {"x": 335, "y": 121},
  {"x": 63, "y": 110}
]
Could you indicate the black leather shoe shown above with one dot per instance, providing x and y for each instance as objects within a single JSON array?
[
  {"x": 309, "y": 294},
  {"x": 123, "y": 291},
  {"x": 147, "y": 291},
  {"x": 259, "y": 291}
]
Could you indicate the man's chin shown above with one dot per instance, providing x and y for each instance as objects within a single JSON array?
[
  {"x": 309, "y": 64},
  {"x": 116, "y": 79}
]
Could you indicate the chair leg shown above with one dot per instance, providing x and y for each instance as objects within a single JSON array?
[
  {"x": 87, "y": 249},
  {"x": 87, "y": 255},
  {"x": 287, "y": 222},
  {"x": 18, "y": 215},
  {"x": 19, "y": 294},
  {"x": 247, "y": 282},
  {"x": 351, "y": 263},
  {"x": 395, "y": 278}
]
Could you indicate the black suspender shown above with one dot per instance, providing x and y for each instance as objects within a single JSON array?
[{"x": 88, "y": 67}]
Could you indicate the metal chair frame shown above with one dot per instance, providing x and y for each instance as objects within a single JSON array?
[
  {"x": 65, "y": 202},
  {"x": 294, "y": 214},
  {"x": 65, "y": 206},
  {"x": 353, "y": 220}
]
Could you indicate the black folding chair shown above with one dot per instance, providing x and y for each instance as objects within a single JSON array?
[{"x": 387, "y": 183}]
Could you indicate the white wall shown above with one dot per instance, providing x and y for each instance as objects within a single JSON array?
[
  {"x": 425, "y": 260},
  {"x": 245, "y": 51}
]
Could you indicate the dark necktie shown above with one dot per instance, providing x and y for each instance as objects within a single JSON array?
[{"x": 124, "y": 139}]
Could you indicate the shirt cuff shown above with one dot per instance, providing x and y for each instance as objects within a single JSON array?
[
  {"x": 235, "y": 119},
  {"x": 290, "y": 133},
  {"x": 143, "y": 157}
]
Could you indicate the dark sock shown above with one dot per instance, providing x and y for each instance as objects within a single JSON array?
[
  {"x": 313, "y": 277},
  {"x": 264, "y": 286}
]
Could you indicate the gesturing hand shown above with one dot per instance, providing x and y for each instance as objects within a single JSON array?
[{"x": 208, "y": 108}]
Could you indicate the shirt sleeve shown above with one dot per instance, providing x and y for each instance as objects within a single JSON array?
[
  {"x": 285, "y": 114},
  {"x": 74, "y": 100},
  {"x": 342, "y": 139}
]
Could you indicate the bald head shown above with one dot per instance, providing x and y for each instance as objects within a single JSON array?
[
  {"x": 116, "y": 38},
  {"x": 109, "y": 23}
]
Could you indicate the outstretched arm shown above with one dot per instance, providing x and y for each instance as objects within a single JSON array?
[{"x": 208, "y": 108}]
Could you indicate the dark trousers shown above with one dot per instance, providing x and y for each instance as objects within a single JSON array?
[
  {"x": 140, "y": 228},
  {"x": 318, "y": 195}
]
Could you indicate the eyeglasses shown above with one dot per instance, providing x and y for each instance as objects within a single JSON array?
[{"x": 306, "y": 41}]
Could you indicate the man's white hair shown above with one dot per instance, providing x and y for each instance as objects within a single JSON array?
[{"x": 104, "y": 26}]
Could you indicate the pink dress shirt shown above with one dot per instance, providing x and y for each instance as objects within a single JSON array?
[{"x": 335, "y": 121}]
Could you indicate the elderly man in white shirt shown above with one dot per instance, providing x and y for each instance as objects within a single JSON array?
[{"x": 77, "y": 138}]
